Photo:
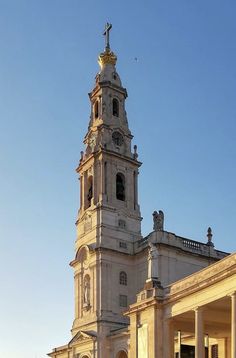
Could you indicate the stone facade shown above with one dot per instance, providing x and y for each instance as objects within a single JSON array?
[
  {"x": 114, "y": 266},
  {"x": 197, "y": 313}
]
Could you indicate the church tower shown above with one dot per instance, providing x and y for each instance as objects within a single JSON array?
[
  {"x": 118, "y": 275},
  {"x": 109, "y": 220}
]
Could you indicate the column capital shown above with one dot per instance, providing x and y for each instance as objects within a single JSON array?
[{"x": 199, "y": 309}]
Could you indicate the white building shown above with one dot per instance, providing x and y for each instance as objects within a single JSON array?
[{"x": 116, "y": 268}]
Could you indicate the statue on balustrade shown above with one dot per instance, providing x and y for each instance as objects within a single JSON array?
[{"x": 158, "y": 221}]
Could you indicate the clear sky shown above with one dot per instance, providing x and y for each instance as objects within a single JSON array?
[{"x": 181, "y": 110}]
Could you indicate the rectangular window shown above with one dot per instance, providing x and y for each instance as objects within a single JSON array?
[
  {"x": 123, "y": 245},
  {"x": 123, "y": 301},
  {"x": 122, "y": 224}
]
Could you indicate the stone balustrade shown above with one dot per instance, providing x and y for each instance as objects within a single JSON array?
[{"x": 168, "y": 238}]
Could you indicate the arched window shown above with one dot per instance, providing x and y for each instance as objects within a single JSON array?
[
  {"x": 122, "y": 354},
  {"x": 115, "y": 107},
  {"x": 90, "y": 190},
  {"x": 120, "y": 187},
  {"x": 123, "y": 278},
  {"x": 96, "y": 109}
]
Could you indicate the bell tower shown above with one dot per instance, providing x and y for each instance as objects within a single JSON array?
[{"x": 109, "y": 220}]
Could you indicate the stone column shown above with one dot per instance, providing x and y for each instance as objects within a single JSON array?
[
  {"x": 82, "y": 192},
  {"x": 199, "y": 333},
  {"x": 85, "y": 190},
  {"x": 105, "y": 179},
  {"x": 77, "y": 291},
  {"x": 168, "y": 339},
  {"x": 179, "y": 342},
  {"x": 129, "y": 188},
  {"x": 158, "y": 334},
  {"x": 135, "y": 189},
  {"x": 134, "y": 324},
  {"x": 101, "y": 179},
  {"x": 96, "y": 168},
  {"x": 233, "y": 325},
  {"x": 78, "y": 303}
]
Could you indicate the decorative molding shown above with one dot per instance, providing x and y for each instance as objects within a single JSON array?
[
  {"x": 107, "y": 57},
  {"x": 207, "y": 276}
]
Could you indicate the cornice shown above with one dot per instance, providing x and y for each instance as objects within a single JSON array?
[
  {"x": 61, "y": 349},
  {"x": 120, "y": 156},
  {"x": 96, "y": 154},
  {"x": 143, "y": 305},
  {"x": 202, "y": 279},
  {"x": 107, "y": 84}
]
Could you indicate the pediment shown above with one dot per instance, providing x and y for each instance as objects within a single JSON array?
[
  {"x": 83, "y": 336},
  {"x": 83, "y": 253}
]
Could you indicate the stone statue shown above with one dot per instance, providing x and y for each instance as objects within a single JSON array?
[
  {"x": 81, "y": 156},
  {"x": 86, "y": 292},
  {"x": 135, "y": 155},
  {"x": 152, "y": 262},
  {"x": 158, "y": 221}
]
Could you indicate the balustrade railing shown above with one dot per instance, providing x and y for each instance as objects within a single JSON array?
[
  {"x": 181, "y": 242},
  {"x": 191, "y": 244}
]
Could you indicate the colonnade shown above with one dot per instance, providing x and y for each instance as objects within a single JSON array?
[{"x": 168, "y": 344}]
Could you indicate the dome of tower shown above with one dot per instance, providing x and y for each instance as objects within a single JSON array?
[{"x": 107, "y": 61}]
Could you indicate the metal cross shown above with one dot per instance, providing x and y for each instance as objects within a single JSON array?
[{"x": 106, "y": 34}]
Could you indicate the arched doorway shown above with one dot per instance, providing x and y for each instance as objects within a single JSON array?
[{"x": 122, "y": 354}]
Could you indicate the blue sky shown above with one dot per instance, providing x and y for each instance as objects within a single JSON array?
[{"x": 181, "y": 110}]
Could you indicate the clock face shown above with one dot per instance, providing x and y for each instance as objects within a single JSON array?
[{"x": 117, "y": 138}]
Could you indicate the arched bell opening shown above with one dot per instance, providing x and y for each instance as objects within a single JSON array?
[
  {"x": 96, "y": 110},
  {"x": 120, "y": 186},
  {"x": 115, "y": 107},
  {"x": 90, "y": 191}
]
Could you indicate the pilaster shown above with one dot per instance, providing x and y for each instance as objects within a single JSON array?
[{"x": 233, "y": 325}]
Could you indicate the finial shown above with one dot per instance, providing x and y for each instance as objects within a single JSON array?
[
  {"x": 81, "y": 156},
  {"x": 106, "y": 34},
  {"x": 209, "y": 237},
  {"x": 107, "y": 57},
  {"x": 135, "y": 152}
]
